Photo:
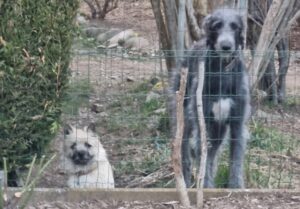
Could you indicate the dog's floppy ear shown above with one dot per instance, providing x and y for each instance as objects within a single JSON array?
[
  {"x": 68, "y": 129},
  {"x": 241, "y": 32},
  {"x": 206, "y": 23}
]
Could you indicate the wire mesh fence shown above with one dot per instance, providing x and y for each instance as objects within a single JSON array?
[
  {"x": 123, "y": 91},
  {"x": 127, "y": 101}
]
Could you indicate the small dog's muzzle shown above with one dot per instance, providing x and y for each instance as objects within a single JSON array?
[{"x": 81, "y": 157}]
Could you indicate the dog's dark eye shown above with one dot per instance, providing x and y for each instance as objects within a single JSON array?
[
  {"x": 87, "y": 145},
  {"x": 73, "y": 146},
  {"x": 216, "y": 26},
  {"x": 234, "y": 26}
]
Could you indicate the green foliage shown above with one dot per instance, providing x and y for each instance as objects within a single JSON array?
[
  {"x": 269, "y": 139},
  {"x": 263, "y": 170},
  {"x": 77, "y": 95},
  {"x": 222, "y": 176},
  {"x": 255, "y": 175},
  {"x": 132, "y": 112},
  {"x": 35, "y": 43},
  {"x": 137, "y": 122},
  {"x": 147, "y": 108}
]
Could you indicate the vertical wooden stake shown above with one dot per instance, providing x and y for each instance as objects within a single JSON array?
[
  {"x": 177, "y": 141},
  {"x": 202, "y": 167}
]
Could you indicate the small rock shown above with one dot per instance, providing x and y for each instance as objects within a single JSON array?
[
  {"x": 113, "y": 77},
  {"x": 152, "y": 96},
  {"x": 81, "y": 20},
  {"x": 136, "y": 43},
  {"x": 158, "y": 87},
  {"x": 103, "y": 37},
  {"x": 145, "y": 53},
  {"x": 153, "y": 122},
  {"x": 296, "y": 198},
  {"x": 129, "y": 79},
  {"x": 103, "y": 114},
  {"x": 260, "y": 94},
  {"x": 267, "y": 116},
  {"x": 160, "y": 111},
  {"x": 111, "y": 46},
  {"x": 94, "y": 31},
  {"x": 124, "y": 35},
  {"x": 103, "y": 204},
  {"x": 101, "y": 47},
  {"x": 95, "y": 108},
  {"x": 154, "y": 80}
]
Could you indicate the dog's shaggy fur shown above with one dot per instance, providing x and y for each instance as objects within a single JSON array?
[
  {"x": 226, "y": 99},
  {"x": 85, "y": 161}
]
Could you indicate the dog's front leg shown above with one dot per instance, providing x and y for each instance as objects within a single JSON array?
[{"x": 237, "y": 153}]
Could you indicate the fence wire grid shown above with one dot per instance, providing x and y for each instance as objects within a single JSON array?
[{"x": 126, "y": 98}]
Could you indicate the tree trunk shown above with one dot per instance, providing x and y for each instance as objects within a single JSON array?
[
  {"x": 268, "y": 81},
  {"x": 177, "y": 141},
  {"x": 284, "y": 60},
  {"x": 242, "y": 5},
  {"x": 269, "y": 29},
  {"x": 92, "y": 8},
  {"x": 99, "y": 10},
  {"x": 278, "y": 21}
]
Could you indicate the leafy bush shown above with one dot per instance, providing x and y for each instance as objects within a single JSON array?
[{"x": 35, "y": 43}]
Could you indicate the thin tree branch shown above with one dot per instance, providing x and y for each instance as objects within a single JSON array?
[
  {"x": 202, "y": 167},
  {"x": 195, "y": 30},
  {"x": 180, "y": 33},
  {"x": 177, "y": 142}
]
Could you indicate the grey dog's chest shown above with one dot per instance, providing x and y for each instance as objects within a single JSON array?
[
  {"x": 221, "y": 90},
  {"x": 221, "y": 83}
]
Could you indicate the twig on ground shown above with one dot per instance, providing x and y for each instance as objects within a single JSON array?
[{"x": 163, "y": 173}]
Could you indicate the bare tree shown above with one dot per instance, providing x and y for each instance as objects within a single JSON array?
[
  {"x": 99, "y": 8},
  {"x": 177, "y": 141},
  {"x": 166, "y": 16},
  {"x": 274, "y": 18}
]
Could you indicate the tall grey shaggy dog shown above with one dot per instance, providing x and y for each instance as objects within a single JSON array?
[{"x": 226, "y": 99}]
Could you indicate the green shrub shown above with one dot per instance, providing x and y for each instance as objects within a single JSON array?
[{"x": 35, "y": 43}]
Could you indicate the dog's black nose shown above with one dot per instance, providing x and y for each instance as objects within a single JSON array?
[
  {"x": 81, "y": 154},
  {"x": 226, "y": 47},
  {"x": 81, "y": 157}
]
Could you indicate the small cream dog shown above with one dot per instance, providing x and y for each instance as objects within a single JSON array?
[{"x": 84, "y": 159}]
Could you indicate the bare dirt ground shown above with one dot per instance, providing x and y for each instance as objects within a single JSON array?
[
  {"x": 275, "y": 201},
  {"x": 136, "y": 15}
]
